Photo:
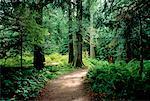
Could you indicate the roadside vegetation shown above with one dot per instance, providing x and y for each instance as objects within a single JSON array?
[{"x": 119, "y": 81}]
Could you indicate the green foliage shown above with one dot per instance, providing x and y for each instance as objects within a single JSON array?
[
  {"x": 53, "y": 59},
  {"x": 56, "y": 21},
  {"x": 56, "y": 59},
  {"x": 34, "y": 32},
  {"x": 19, "y": 30},
  {"x": 120, "y": 81},
  {"x": 90, "y": 63},
  {"x": 21, "y": 84},
  {"x": 16, "y": 61},
  {"x": 19, "y": 27},
  {"x": 25, "y": 83}
]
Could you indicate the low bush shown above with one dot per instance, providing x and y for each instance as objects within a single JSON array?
[{"x": 120, "y": 81}]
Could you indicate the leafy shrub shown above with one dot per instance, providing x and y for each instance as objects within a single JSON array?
[
  {"x": 120, "y": 81},
  {"x": 20, "y": 83}
]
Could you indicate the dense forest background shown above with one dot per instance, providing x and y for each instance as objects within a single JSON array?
[{"x": 101, "y": 35}]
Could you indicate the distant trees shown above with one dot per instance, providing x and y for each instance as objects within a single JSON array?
[{"x": 111, "y": 29}]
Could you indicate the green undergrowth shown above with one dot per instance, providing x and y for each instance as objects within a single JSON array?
[
  {"x": 119, "y": 81},
  {"x": 27, "y": 60},
  {"x": 90, "y": 63},
  {"x": 25, "y": 83}
]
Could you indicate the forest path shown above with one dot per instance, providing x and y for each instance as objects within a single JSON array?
[{"x": 68, "y": 87}]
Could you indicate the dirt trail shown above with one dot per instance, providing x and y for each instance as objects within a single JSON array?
[{"x": 66, "y": 88}]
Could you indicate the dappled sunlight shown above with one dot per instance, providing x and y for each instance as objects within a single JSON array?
[
  {"x": 73, "y": 80},
  {"x": 67, "y": 88},
  {"x": 71, "y": 84},
  {"x": 82, "y": 98},
  {"x": 77, "y": 75}
]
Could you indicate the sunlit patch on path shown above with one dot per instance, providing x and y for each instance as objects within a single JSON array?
[{"x": 66, "y": 88}]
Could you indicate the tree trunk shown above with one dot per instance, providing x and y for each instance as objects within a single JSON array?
[
  {"x": 141, "y": 47},
  {"x": 92, "y": 32},
  {"x": 71, "y": 56},
  {"x": 110, "y": 59},
  {"x": 127, "y": 39},
  {"x": 39, "y": 58},
  {"x": 78, "y": 37},
  {"x": 70, "y": 60}
]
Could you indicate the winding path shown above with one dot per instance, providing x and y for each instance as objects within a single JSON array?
[{"x": 69, "y": 87}]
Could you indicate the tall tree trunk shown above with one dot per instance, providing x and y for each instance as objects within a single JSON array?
[
  {"x": 92, "y": 32},
  {"x": 70, "y": 60},
  {"x": 141, "y": 47},
  {"x": 21, "y": 50},
  {"x": 39, "y": 58},
  {"x": 127, "y": 41},
  {"x": 78, "y": 37}
]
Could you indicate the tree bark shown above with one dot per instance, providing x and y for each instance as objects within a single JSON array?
[
  {"x": 38, "y": 57},
  {"x": 70, "y": 50},
  {"x": 127, "y": 41},
  {"x": 141, "y": 47},
  {"x": 78, "y": 37}
]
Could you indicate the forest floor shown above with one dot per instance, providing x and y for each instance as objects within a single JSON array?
[{"x": 69, "y": 87}]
